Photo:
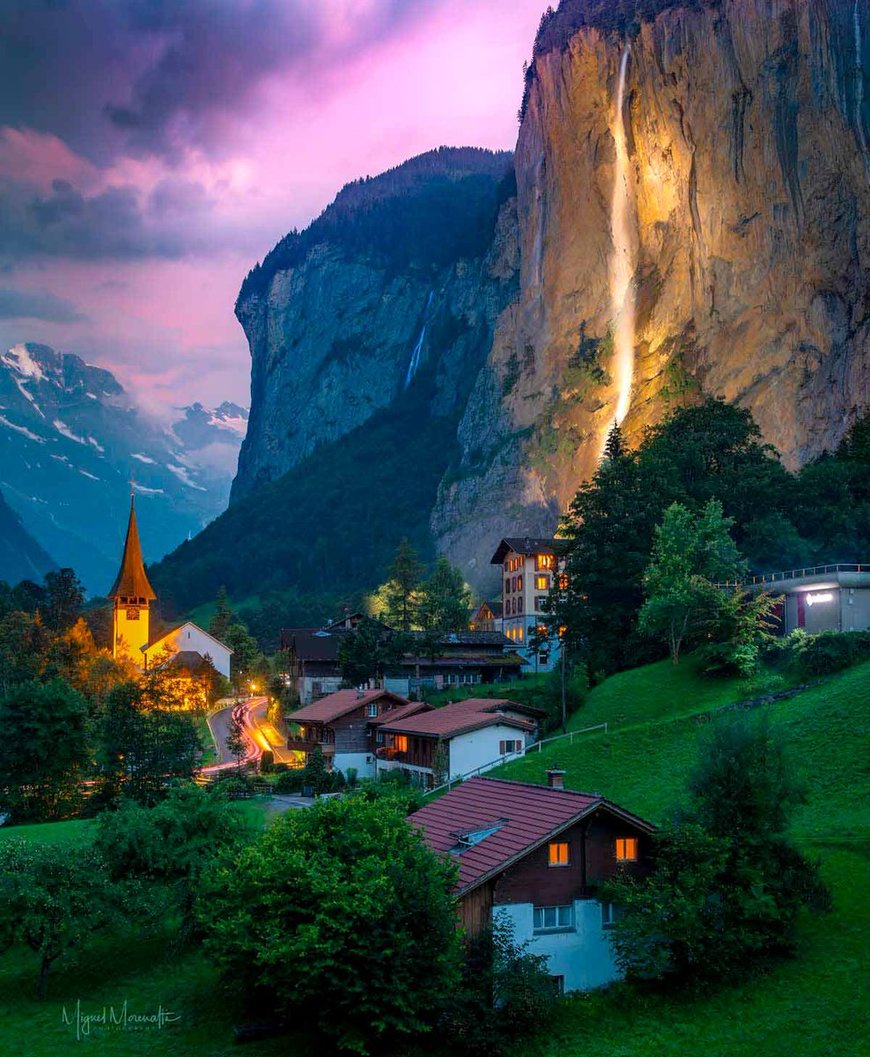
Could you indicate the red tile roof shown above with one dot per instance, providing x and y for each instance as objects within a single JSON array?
[
  {"x": 528, "y": 815},
  {"x": 458, "y": 718},
  {"x": 339, "y": 704},
  {"x": 411, "y": 709}
]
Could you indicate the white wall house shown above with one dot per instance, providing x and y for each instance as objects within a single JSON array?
[{"x": 189, "y": 638}]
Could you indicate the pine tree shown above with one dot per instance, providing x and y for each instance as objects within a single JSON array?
[
  {"x": 223, "y": 616},
  {"x": 402, "y": 588}
]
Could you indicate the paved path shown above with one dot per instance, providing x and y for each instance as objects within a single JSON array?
[{"x": 220, "y": 726}]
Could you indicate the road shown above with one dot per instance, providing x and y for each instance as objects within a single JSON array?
[
  {"x": 268, "y": 736},
  {"x": 220, "y": 725}
]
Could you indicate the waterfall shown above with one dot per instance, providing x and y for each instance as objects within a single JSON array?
[
  {"x": 418, "y": 348},
  {"x": 621, "y": 261}
]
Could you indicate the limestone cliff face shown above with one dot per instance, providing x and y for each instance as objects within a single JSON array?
[
  {"x": 404, "y": 273},
  {"x": 746, "y": 129}
]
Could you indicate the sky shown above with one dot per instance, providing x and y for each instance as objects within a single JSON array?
[{"x": 151, "y": 151}]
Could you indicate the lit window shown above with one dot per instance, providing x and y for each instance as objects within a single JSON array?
[
  {"x": 558, "y": 853},
  {"x": 542, "y": 583},
  {"x": 626, "y": 849},
  {"x": 544, "y": 561},
  {"x": 519, "y": 583},
  {"x": 520, "y": 634},
  {"x": 400, "y": 742},
  {"x": 546, "y": 918}
]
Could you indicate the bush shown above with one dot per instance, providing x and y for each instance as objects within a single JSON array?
[
  {"x": 289, "y": 781},
  {"x": 267, "y": 761},
  {"x": 831, "y": 652}
]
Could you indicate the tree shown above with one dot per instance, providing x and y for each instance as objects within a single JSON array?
[
  {"x": 445, "y": 600},
  {"x": 367, "y": 651},
  {"x": 171, "y": 844},
  {"x": 402, "y": 588},
  {"x": 52, "y": 901},
  {"x": 727, "y": 884},
  {"x": 236, "y": 742},
  {"x": 246, "y": 653},
  {"x": 44, "y": 752},
  {"x": 326, "y": 916},
  {"x": 690, "y": 557},
  {"x": 223, "y": 616},
  {"x": 65, "y": 596},
  {"x": 142, "y": 747}
]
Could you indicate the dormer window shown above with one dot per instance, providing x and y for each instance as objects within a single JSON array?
[{"x": 472, "y": 837}]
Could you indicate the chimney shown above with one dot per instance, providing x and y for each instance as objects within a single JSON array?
[{"x": 556, "y": 778}]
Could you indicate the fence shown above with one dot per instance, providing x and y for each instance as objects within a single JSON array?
[
  {"x": 798, "y": 574},
  {"x": 534, "y": 747}
]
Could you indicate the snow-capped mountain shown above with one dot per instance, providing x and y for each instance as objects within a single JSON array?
[{"x": 71, "y": 440}]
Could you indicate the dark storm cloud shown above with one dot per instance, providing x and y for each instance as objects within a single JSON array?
[
  {"x": 68, "y": 223},
  {"x": 151, "y": 76},
  {"x": 37, "y": 304}
]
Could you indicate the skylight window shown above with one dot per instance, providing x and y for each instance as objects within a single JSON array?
[{"x": 470, "y": 838}]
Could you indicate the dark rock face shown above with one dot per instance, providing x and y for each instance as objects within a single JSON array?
[{"x": 21, "y": 557}]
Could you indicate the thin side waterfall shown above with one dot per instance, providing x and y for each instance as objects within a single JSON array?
[
  {"x": 414, "y": 362},
  {"x": 622, "y": 259}
]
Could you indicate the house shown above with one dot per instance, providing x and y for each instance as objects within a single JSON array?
[
  {"x": 823, "y": 598},
  {"x": 486, "y": 617},
  {"x": 343, "y": 724},
  {"x": 312, "y": 656},
  {"x": 535, "y": 856},
  {"x": 194, "y": 643},
  {"x": 459, "y": 658},
  {"x": 456, "y": 740},
  {"x": 529, "y": 566}
]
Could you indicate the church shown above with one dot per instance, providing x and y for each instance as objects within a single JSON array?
[{"x": 184, "y": 648}]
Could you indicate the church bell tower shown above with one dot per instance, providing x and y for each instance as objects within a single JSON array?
[{"x": 132, "y": 595}]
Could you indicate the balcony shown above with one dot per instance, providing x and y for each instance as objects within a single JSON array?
[
  {"x": 309, "y": 745},
  {"x": 386, "y": 752}
]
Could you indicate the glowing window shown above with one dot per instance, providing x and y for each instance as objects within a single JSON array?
[
  {"x": 400, "y": 742},
  {"x": 520, "y": 634},
  {"x": 519, "y": 583},
  {"x": 626, "y": 849},
  {"x": 557, "y": 853},
  {"x": 544, "y": 561},
  {"x": 542, "y": 583}
]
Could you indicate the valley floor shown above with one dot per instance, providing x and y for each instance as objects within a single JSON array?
[{"x": 813, "y": 1006}]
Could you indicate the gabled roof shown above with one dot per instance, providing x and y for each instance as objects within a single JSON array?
[
  {"x": 459, "y": 717},
  {"x": 527, "y": 815},
  {"x": 342, "y": 702},
  {"x": 181, "y": 627},
  {"x": 403, "y": 711},
  {"x": 527, "y": 545},
  {"x": 314, "y": 644},
  {"x": 132, "y": 580}
]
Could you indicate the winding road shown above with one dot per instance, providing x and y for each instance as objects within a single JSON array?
[{"x": 258, "y": 732}]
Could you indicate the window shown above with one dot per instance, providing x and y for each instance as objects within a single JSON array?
[
  {"x": 520, "y": 604},
  {"x": 544, "y": 561},
  {"x": 519, "y": 634},
  {"x": 557, "y": 853},
  {"x": 519, "y": 583},
  {"x": 506, "y": 747},
  {"x": 380, "y": 737},
  {"x": 610, "y": 914},
  {"x": 373, "y": 710},
  {"x": 400, "y": 742},
  {"x": 540, "y": 603},
  {"x": 626, "y": 849},
  {"x": 542, "y": 583},
  {"x": 547, "y": 918},
  {"x": 558, "y": 984}
]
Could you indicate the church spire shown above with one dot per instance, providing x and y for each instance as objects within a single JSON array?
[{"x": 132, "y": 580}]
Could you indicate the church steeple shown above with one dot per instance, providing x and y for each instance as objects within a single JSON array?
[{"x": 132, "y": 594}]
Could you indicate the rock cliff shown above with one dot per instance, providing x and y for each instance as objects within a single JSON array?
[{"x": 746, "y": 130}]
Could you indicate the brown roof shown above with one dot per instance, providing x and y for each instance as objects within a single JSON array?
[
  {"x": 523, "y": 817},
  {"x": 314, "y": 644},
  {"x": 132, "y": 581},
  {"x": 527, "y": 545},
  {"x": 339, "y": 704},
  {"x": 459, "y": 717},
  {"x": 411, "y": 709}
]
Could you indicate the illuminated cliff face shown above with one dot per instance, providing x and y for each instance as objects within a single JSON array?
[{"x": 743, "y": 160}]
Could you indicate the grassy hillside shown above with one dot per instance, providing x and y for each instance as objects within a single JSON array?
[{"x": 809, "y": 1007}]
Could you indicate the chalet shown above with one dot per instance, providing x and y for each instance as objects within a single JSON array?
[
  {"x": 456, "y": 740},
  {"x": 529, "y": 566},
  {"x": 343, "y": 724},
  {"x": 459, "y": 658},
  {"x": 536, "y": 855},
  {"x": 486, "y": 617}
]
